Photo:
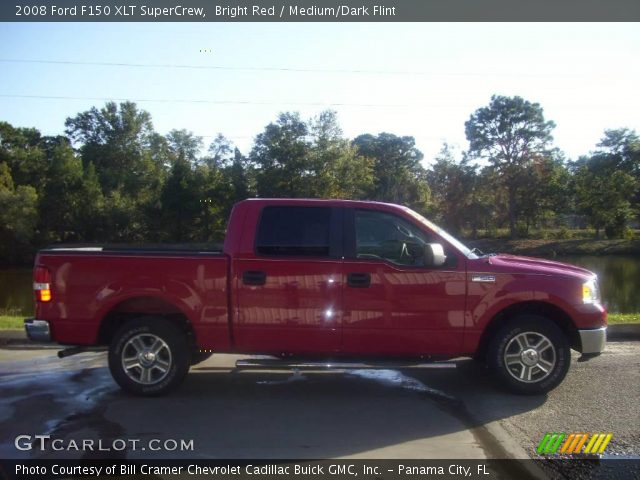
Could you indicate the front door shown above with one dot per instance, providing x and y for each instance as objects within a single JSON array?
[{"x": 393, "y": 303}]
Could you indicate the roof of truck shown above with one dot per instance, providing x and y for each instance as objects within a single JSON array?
[{"x": 327, "y": 201}]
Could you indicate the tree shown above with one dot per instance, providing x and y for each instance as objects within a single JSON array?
[
  {"x": 116, "y": 140},
  {"x": 294, "y": 158},
  {"x": 18, "y": 217},
  {"x": 129, "y": 160},
  {"x": 510, "y": 133},
  {"x": 338, "y": 170},
  {"x": 280, "y": 156},
  {"x": 221, "y": 152},
  {"x": 544, "y": 191},
  {"x": 604, "y": 198},
  {"x": 622, "y": 146},
  {"x": 240, "y": 176},
  {"x": 453, "y": 188},
  {"x": 184, "y": 145},
  {"x": 91, "y": 213},
  {"x": 160, "y": 152},
  {"x": 216, "y": 197},
  {"x": 398, "y": 174},
  {"x": 63, "y": 196},
  {"x": 180, "y": 203},
  {"x": 607, "y": 183},
  {"x": 22, "y": 150}
]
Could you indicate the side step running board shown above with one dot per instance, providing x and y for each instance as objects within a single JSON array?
[{"x": 275, "y": 364}]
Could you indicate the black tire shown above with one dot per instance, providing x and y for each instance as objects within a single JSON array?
[
  {"x": 530, "y": 354},
  {"x": 162, "y": 371},
  {"x": 199, "y": 357}
]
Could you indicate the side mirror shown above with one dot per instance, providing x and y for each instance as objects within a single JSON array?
[{"x": 434, "y": 255}]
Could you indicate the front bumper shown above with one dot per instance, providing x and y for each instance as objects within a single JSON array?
[
  {"x": 592, "y": 342},
  {"x": 37, "y": 330}
]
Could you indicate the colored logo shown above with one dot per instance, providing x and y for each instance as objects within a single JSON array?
[{"x": 573, "y": 443}]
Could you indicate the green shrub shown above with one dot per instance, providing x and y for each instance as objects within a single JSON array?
[
  {"x": 564, "y": 233},
  {"x": 628, "y": 234}
]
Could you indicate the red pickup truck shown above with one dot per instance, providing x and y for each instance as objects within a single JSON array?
[{"x": 322, "y": 279}]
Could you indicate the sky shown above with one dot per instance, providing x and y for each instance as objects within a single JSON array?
[{"x": 417, "y": 79}]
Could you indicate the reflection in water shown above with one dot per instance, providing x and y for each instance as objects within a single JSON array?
[
  {"x": 16, "y": 292},
  {"x": 619, "y": 277},
  {"x": 395, "y": 378}
]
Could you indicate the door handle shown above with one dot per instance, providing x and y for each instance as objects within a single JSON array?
[
  {"x": 254, "y": 277},
  {"x": 359, "y": 280}
]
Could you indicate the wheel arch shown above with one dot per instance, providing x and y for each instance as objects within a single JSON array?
[
  {"x": 142, "y": 306},
  {"x": 545, "y": 309}
]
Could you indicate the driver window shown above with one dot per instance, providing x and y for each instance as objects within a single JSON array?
[{"x": 385, "y": 236}]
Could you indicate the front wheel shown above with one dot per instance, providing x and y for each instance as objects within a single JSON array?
[
  {"x": 149, "y": 356},
  {"x": 530, "y": 354}
]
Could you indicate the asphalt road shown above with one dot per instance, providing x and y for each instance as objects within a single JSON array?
[
  {"x": 456, "y": 413},
  {"x": 599, "y": 395}
]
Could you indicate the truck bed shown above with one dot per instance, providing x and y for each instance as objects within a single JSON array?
[{"x": 92, "y": 282}]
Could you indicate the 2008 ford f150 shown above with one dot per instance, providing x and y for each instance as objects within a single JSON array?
[{"x": 323, "y": 279}]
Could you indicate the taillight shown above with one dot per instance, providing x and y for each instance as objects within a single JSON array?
[{"x": 42, "y": 284}]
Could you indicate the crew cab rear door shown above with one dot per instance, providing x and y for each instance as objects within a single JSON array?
[{"x": 289, "y": 290}]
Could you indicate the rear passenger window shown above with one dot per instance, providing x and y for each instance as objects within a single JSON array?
[{"x": 302, "y": 231}]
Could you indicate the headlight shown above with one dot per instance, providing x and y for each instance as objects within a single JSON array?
[{"x": 590, "y": 292}]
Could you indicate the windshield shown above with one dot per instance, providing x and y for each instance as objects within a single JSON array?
[{"x": 466, "y": 251}]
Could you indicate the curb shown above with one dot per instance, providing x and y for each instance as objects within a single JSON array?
[
  {"x": 10, "y": 336},
  {"x": 17, "y": 339},
  {"x": 514, "y": 450},
  {"x": 623, "y": 331},
  {"x": 505, "y": 441}
]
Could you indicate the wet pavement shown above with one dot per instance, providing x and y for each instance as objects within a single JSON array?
[
  {"x": 227, "y": 413},
  {"x": 223, "y": 413}
]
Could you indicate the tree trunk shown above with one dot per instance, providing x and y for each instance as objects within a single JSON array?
[{"x": 512, "y": 213}]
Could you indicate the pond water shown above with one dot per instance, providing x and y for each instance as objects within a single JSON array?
[
  {"x": 16, "y": 294},
  {"x": 619, "y": 277}
]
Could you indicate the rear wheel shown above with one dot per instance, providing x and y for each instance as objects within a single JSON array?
[
  {"x": 149, "y": 356},
  {"x": 530, "y": 354}
]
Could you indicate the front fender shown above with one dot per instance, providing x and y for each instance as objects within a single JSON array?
[{"x": 487, "y": 299}]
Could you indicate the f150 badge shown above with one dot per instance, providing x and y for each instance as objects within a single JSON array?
[{"x": 484, "y": 278}]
